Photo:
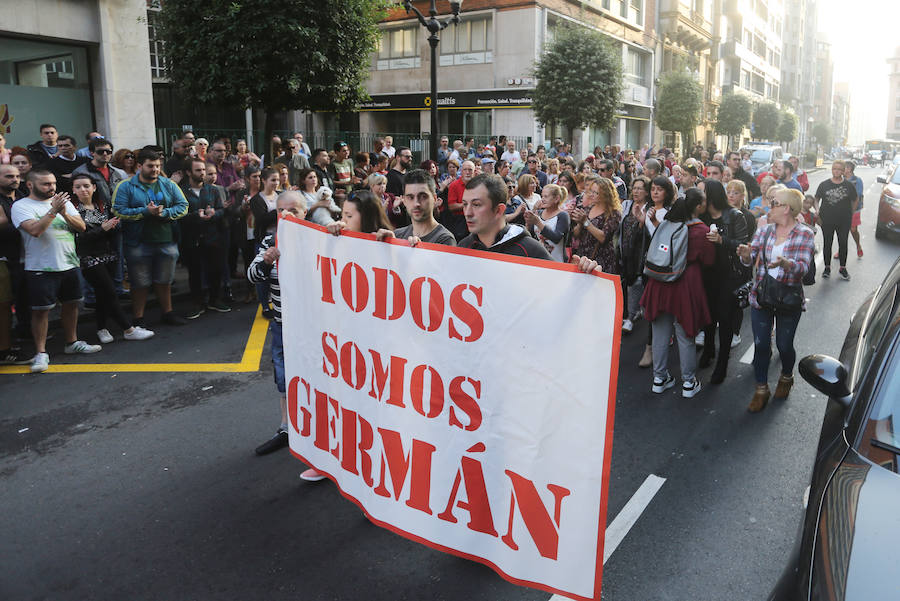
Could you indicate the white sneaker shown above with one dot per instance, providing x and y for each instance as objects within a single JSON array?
[
  {"x": 41, "y": 362},
  {"x": 700, "y": 339},
  {"x": 627, "y": 325},
  {"x": 104, "y": 336},
  {"x": 735, "y": 340},
  {"x": 661, "y": 385},
  {"x": 80, "y": 347},
  {"x": 691, "y": 388},
  {"x": 312, "y": 475},
  {"x": 139, "y": 333}
]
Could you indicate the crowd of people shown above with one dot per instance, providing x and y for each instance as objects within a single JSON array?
[{"x": 102, "y": 225}]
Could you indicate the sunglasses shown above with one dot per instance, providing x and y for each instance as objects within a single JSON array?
[
  {"x": 775, "y": 203},
  {"x": 128, "y": 156},
  {"x": 104, "y": 151}
]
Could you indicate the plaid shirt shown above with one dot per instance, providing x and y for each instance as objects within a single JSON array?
[{"x": 799, "y": 249}]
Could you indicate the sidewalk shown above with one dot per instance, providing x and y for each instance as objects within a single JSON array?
[{"x": 180, "y": 292}]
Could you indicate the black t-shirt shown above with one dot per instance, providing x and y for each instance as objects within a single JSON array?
[
  {"x": 836, "y": 198},
  {"x": 395, "y": 183}
]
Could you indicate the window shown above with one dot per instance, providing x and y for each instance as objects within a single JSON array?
[
  {"x": 157, "y": 48},
  {"x": 638, "y": 8},
  {"x": 635, "y": 66},
  {"x": 469, "y": 42},
  {"x": 898, "y": 103},
  {"x": 757, "y": 83},
  {"x": 745, "y": 79},
  {"x": 397, "y": 49},
  {"x": 897, "y": 126},
  {"x": 759, "y": 46}
]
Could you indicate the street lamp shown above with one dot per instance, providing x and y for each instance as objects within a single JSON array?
[{"x": 434, "y": 25}]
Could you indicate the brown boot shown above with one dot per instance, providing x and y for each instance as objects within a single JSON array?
[
  {"x": 647, "y": 357},
  {"x": 784, "y": 386},
  {"x": 760, "y": 398}
]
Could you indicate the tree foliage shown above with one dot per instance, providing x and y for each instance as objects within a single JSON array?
[
  {"x": 588, "y": 94},
  {"x": 733, "y": 114},
  {"x": 787, "y": 128},
  {"x": 822, "y": 133},
  {"x": 766, "y": 119},
  {"x": 678, "y": 105},
  {"x": 250, "y": 53}
]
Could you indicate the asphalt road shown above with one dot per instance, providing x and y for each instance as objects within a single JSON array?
[{"x": 144, "y": 485}]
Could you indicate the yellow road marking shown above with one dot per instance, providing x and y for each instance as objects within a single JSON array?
[{"x": 249, "y": 360}]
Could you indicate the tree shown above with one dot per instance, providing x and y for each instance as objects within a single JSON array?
[
  {"x": 765, "y": 121},
  {"x": 787, "y": 129},
  {"x": 822, "y": 133},
  {"x": 579, "y": 97},
  {"x": 733, "y": 115},
  {"x": 243, "y": 54},
  {"x": 678, "y": 105}
]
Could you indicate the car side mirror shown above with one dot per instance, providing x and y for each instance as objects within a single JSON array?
[
  {"x": 881, "y": 179},
  {"x": 827, "y": 375}
]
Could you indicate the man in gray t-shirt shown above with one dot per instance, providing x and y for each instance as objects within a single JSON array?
[{"x": 420, "y": 201}]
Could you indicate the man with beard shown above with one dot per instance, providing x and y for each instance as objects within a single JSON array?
[
  {"x": 49, "y": 222},
  {"x": 395, "y": 175},
  {"x": 420, "y": 201}
]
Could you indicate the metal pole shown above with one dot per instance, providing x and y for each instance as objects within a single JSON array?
[{"x": 433, "y": 41}]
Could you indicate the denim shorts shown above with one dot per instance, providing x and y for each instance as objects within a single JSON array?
[
  {"x": 47, "y": 287},
  {"x": 150, "y": 263},
  {"x": 278, "y": 355}
]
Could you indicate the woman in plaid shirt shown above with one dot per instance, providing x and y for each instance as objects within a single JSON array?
[{"x": 788, "y": 247}]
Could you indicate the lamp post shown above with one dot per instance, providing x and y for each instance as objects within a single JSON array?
[{"x": 434, "y": 26}]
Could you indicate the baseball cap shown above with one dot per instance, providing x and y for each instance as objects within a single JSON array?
[{"x": 487, "y": 160}]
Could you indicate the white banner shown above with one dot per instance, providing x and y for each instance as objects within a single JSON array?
[{"x": 463, "y": 399}]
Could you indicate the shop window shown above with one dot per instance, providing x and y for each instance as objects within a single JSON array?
[{"x": 469, "y": 42}]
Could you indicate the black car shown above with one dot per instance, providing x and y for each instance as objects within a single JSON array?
[{"x": 848, "y": 548}]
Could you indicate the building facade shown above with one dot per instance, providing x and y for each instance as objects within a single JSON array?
[
  {"x": 824, "y": 84},
  {"x": 484, "y": 72},
  {"x": 840, "y": 114},
  {"x": 798, "y": 65},
  {"x": 81, "y": 69},
  {"x": 892, "y": 131}
]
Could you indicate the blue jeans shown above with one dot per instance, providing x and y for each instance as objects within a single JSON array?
[
  {"x": 277, "y": 355},
  {"x": 785, "y": 329}
]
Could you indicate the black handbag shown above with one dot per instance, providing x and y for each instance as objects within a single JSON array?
[{"x": 774, "y": 295}]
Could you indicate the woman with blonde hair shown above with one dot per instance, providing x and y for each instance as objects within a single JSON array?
[
  {"x": 393, "y": 207},
  {"x": 552, "y": 170},
  {"x": 550, "y": 223},
  {"x": 597, "y": 223},
  {"x": 526, "y": 190},
  {"x": 200, "y": 145},
  {"x": 785, "y": 247}
]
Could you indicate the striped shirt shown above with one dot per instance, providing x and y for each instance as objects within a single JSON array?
[{"x": 260, "y": 271}]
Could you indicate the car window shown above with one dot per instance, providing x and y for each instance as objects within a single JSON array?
[
  {"x": 896, "y": 178},
  {"x": 869, "y": 338},
  {"x": 761, "y": 156},
  {"x": 880, "y": 441}
]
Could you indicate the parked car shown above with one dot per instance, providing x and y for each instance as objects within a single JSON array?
[
  {"x": 889, "y": 205},
  {"x": 762, "y": 156},
  {"x": 847, "y": 547}
]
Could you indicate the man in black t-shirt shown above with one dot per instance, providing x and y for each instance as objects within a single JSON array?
[
  {"x": 734, "y": 162},
  {"x": 836, "y": 199},
  {"x": 395, "y": 175}
]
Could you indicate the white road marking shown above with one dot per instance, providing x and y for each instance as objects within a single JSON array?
[{"x": 619, "y": 528}]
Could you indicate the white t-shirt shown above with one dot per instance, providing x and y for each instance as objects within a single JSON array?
[
  {"x": 777, "y": 253},
  {"x": 54, "y": 250},
  {"x": 388, "y": 151},
  {"x": 510, "y": 157}
]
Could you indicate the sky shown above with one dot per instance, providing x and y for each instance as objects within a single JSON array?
[{"x": 863, "y": 34}]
